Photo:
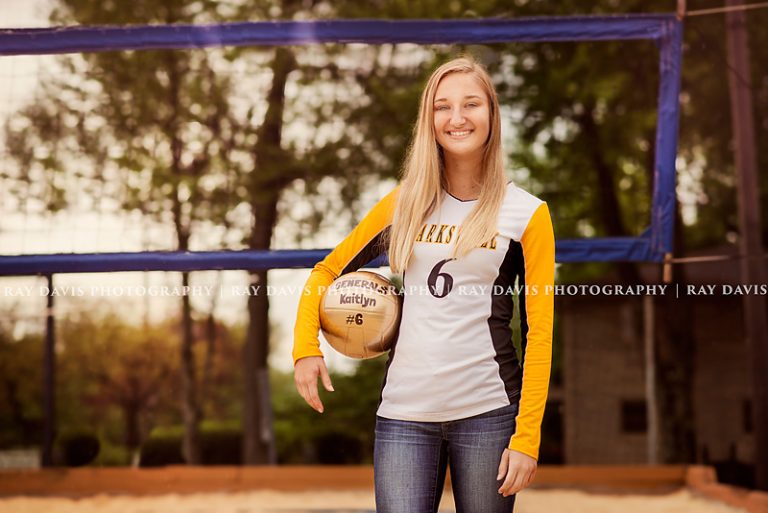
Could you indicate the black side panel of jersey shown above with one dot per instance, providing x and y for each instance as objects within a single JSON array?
[
  {"x": 520, "y": 271},
  {"x": 391, "y": 355},
  {"x": 373, "y": 249},
  {"x": 502, "y": 311}
]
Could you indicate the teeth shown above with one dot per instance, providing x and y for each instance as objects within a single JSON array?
[{"x": 459, "y": 134}]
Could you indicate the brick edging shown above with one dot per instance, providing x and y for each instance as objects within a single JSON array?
[
  {"x": 702, "y": 480},
  {"x": 186, "y": 479}
]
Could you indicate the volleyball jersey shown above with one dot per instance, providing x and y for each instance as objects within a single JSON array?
[{"x": 454, "y": 356}]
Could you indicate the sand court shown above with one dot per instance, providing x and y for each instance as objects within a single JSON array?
[
  {"x": 529, "y": 501},
  {"x": 349, "y": 489}
]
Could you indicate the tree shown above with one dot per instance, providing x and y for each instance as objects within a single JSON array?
[
  {"x": 149, "y": 125},
  {"x": 108, "y": 363}
]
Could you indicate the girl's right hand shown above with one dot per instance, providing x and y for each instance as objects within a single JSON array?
[{"x": 305, "y": 373}]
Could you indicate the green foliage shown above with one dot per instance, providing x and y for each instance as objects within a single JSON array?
[
  {"x": 77, "y": 448},
  {"x": 705, "y": 130},
  {"x": 162, "y": 448},
  {"x": 20, "y": 398},
  {"x": 587, "y": 127},
  {"x": 121, "y": 371},
  {"x": 115, "y": 380},
  {"x": 220, "y": 444},
  {"x": 113, "y": 455},
  {"x": 586, "y": 105}
]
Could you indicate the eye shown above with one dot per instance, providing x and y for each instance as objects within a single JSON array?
[
  {"x": 441, "y": 107},
  {"x": 472, "y": 104}
]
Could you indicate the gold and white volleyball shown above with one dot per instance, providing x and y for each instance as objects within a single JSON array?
[{"x": 360, "y": 314}]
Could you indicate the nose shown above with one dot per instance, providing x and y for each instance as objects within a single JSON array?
[{"x": 457, "y": 119}]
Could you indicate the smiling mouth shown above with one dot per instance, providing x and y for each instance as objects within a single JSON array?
[{"x": 459, "y": 133}]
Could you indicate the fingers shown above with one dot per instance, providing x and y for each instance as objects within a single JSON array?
[
  {"x": 516, "y": 480},
  {"x": 302, "y": 390},
  {"x": 518, "y": 484},
  {"x": 521, "y": 469},
  {"x": 510, "y": 474},
  {"x": 306, "y": 373},
  {"x": 519, "y": 474},
  {"x": 503, "y": 465},
  {"x": 506, "y": 486},
  {"x": 312, "y": 397},
  {"x": 326, "y": 378}
]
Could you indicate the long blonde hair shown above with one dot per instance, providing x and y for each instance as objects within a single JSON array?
[{"x": 423, "y": 175}]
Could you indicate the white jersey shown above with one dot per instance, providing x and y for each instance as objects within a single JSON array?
[
  {"x": 454, "y": 357},
  {"x": 446, "y": 363}
]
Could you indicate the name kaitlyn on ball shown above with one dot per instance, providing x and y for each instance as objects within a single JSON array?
[{"x": 357, "y": 299}]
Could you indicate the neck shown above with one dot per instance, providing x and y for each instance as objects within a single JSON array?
[{"x": 462, "y": 176}]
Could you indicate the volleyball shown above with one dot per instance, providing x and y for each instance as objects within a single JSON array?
[{"x": 360, "y": 314}]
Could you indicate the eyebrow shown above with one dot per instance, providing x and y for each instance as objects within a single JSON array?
[{"x": 466, "y": 98}]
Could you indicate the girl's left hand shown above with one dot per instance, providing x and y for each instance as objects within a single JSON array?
[{"x": 519, "y": 470}]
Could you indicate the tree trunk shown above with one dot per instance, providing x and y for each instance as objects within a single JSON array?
[
  {"x": 210, "y": 354},
  {"x": 267, "y": 181},
  {"x": 258, "y": 435},
  {"x": 131, "y": 411},
  {"x": 608, "y": 203},
  {"x": 190, "y": 405}
]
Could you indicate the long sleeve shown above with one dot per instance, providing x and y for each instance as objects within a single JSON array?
[
  {"x": 366, "y": 242},
  {"x": 538, "y": 243}
]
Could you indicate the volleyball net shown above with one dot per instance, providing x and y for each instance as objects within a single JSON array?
[{"x": 100, "y": 177}]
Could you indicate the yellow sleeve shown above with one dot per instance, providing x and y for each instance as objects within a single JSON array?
[
  {"x": 538, "y": 242},
  {"x": 366, "y": 242}
]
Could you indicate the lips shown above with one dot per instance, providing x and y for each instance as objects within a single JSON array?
[{"x": 459, "y": 134}]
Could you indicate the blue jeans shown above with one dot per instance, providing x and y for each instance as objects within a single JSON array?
[{"x": 410, "y": 460}]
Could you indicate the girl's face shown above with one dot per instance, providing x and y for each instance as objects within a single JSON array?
[{"x": 461, "y": 115}]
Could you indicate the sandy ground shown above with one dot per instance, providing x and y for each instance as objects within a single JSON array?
[{"x": 528, "y": 501}]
